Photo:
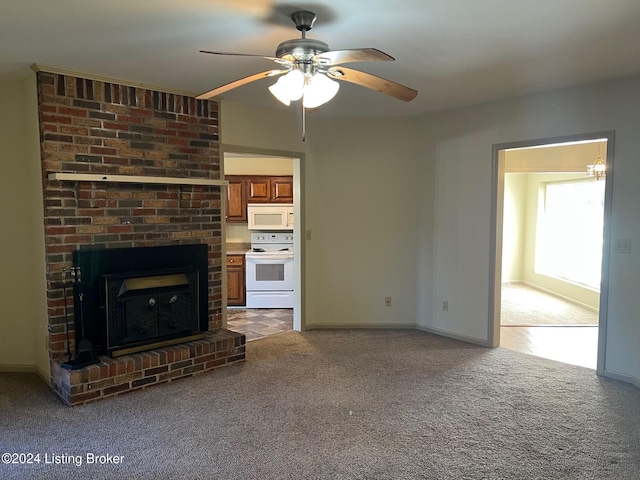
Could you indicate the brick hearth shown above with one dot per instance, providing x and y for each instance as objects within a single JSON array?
[{"x": 129, "y": 373}]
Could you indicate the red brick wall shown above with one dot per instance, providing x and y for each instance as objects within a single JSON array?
[{"x": 89, "y": 126}]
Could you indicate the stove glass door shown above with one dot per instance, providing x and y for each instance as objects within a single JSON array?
[{"x": 267, "y": 272}]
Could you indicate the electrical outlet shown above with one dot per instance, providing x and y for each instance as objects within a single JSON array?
[
  {"x": 387, "y": 301},
  {"x": 623, "y": 245},
  {"x": 445, "y": 305}
]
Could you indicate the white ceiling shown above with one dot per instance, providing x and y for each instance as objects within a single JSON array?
[{"x": 454, "y": 52}]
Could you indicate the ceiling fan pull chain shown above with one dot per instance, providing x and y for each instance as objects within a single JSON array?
[{"x": 304, "y": 122}]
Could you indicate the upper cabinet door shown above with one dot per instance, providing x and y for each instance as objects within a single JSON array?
[
  {"x": 258, "y": 189},
  {"x": 236, "y": 200},
  {"x": 282, "y": 189}
]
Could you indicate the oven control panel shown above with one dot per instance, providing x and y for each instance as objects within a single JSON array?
[{"x": 266, "y": 237}]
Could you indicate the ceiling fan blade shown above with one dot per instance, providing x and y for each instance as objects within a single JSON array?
[
  {"x": 378, "y": 84},
  {"x": 238, "y": 83},
  {"x": 239, "y": 54},
  {"x": 337, "y": 57},
  {"x": 280, "y": 61}
]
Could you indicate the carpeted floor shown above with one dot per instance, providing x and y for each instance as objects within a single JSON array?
[
  {"x": 348, "y": 404},
  {"x": 523, "y": 305}
]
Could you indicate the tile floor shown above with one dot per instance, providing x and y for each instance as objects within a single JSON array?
[{"x": 259, "y": 322}]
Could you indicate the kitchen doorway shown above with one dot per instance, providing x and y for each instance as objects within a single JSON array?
[
  {"x": 547, "y": 300},
  {"x": 252, "y": 163}
]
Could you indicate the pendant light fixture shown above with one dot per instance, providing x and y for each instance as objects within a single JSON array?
[{"x": 598, "y": 167}]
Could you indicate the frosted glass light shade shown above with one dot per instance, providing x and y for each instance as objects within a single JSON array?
[
  {"x": 289, "y": 87},
  {"x": 320, "y": 89}
]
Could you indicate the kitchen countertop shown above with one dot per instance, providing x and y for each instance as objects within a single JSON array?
[{"x": 238, "y": 248}]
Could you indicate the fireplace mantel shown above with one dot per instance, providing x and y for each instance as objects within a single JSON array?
[{"x": 96, "y": 177}]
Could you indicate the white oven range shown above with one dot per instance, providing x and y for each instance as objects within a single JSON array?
[{"x": 269, "y": 270}]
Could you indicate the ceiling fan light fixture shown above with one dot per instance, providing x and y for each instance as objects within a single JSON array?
[
  {"x": 319, "y": 90},
  {"x": 289, "y": 87}
]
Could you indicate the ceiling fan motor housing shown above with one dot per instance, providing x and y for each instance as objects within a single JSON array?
[{"x": 300, "y": 49}]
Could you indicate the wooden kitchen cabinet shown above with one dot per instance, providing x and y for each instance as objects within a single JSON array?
[
  {"x": 258, "y": 189},
  {"x": 236, "y": 200},
  {"x": 244, "y": 189},
  {"x": 236, "y": 289},
  {"x": 282, "y": 189}
]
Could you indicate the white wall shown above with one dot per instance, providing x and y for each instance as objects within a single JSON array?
[
  {"x": 277, "y": 129},
  {"x": 23, "y": 318},
  {"x": 363, "y": 213},
  {"x": 461, "y": 144}
]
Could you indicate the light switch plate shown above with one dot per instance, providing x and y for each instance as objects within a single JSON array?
[{"x": 623, "y": 245}]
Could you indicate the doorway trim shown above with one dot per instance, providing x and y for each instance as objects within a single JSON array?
[
  {"x": 495, "y": 254},
  {"x": 299, "y": 227}
]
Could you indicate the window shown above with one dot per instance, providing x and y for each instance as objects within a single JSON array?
[{"x": 569, "y": 231}]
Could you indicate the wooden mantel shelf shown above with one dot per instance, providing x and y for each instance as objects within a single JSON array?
[{"x": 92, "y": 177}]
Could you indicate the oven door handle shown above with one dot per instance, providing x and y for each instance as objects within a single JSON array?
[{"x": 269, "y": 259}]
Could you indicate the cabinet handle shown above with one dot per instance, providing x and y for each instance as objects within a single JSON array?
[{"x": 231, "y": 261}]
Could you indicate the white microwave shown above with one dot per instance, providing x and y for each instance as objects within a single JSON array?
[{"x": 270, "y": 216}]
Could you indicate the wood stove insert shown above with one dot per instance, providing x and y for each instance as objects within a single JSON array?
[
  {"x": 149, "y": 309},
  {"x": 135, "y": 299}
]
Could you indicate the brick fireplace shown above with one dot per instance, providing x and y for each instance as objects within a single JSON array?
[{"x": 95, "y": 127}]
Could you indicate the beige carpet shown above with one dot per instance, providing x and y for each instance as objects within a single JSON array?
[
  {"x": 348, "y": 404},
  {"x": 523, "y": 305}
]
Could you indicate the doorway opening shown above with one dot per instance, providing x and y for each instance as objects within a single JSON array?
[
  {"x": 551, "y": 248},
  {"x": 259, "y": 172}
]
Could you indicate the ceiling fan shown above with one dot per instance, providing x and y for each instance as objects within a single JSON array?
[{"x": 308, "y": 70}]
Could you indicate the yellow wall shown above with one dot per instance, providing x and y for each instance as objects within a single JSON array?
[
  {"x": 254, "y": 165},
  {"x": 22, "y": 282},
  {"x": 555, "y": 159}
]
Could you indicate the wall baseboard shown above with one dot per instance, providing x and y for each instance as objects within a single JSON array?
[
  {"x": 622, "y": 377},
  {"x": 7, "y": 368},
  {"x": 386, "y": 326},
  {"x": 400, "y": 326},
  {"x": 443, "y": 333},
  {"x": 559, "y": 295}
]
